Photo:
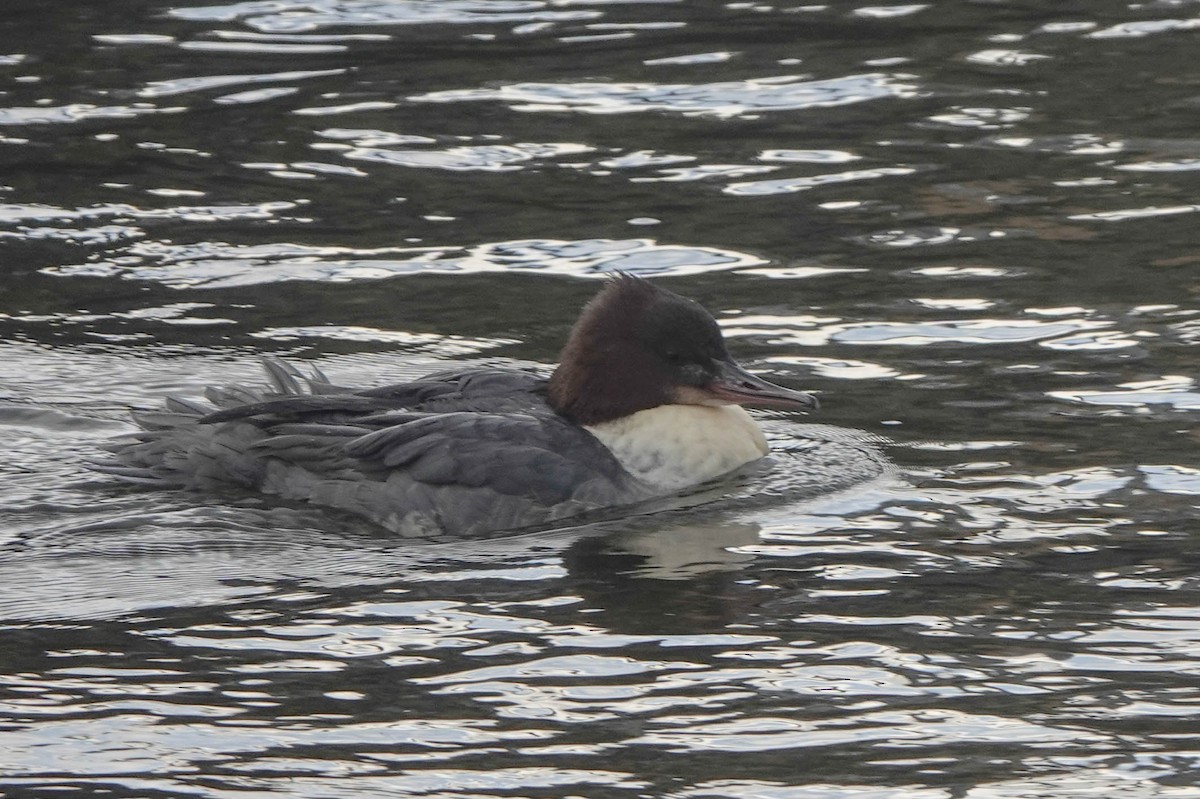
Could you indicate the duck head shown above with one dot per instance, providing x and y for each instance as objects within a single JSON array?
[{"x": 637, "y": 346}]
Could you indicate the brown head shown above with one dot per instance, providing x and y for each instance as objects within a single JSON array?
[{"x": 637, "y": 346}]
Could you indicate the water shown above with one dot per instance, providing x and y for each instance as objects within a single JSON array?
[{"x": 970, "y": 226}]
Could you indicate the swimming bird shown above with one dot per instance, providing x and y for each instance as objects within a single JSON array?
[{"x": 645, "y": 402}]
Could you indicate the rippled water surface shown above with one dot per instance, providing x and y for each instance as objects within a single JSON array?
[{"x": 972, "y": 226}]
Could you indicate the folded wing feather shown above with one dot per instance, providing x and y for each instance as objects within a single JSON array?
[{"x": 457, "y": 452}]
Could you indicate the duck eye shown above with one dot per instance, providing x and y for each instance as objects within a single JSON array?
[{"x": 673, "y": 357}]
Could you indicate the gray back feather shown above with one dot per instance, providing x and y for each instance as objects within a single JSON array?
[{"x": 457, "y": 453}]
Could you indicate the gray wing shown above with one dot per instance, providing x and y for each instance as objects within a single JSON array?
[
  {"x": 464, "y": 390},
  {"x": 457, "y": 452},
  {"x": 466, "y": 473}
]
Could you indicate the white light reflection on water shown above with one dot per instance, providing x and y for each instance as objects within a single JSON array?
[
  {"x": 815, "y": 331},
  {"x": 168, "y": 88},
  {"x": 220, "y": 265},
  {"x": 307, "y": 15},
  {"x": 441, "y": 346},
  {"x": 1172, "y": 391},
  {"x": 487, "y": 158},
  {"x": 15, "y": 214},
  {"x": 1145, "y": 28},
  {"x": 724, "y": 99},
  {"x": 789, "y": 185},
  {"x": 1136, "y": 213},
  {"x": 900, "y": 729},
  {"x": 809, "y": 156},
  {"x": 78, "y": 112}
]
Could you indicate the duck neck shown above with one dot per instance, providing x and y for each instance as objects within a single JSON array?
[{"x": 585, "y": 387}]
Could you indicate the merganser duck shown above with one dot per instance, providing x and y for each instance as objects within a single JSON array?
[{"x": 646, "y": 401}]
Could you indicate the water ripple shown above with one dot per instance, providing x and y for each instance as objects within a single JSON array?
[
  {"x": 908, "y": 729},
  {"x": 726, "y": 99},
  {"x": 694, "y": 58},
  {"x": 1182, "y": 165},
  {"x": 762, "y": 188},
  {"x": 890, "y": 11},
  {"x": 1136, "y": 213},
  {"x": 284, "y": 16},
  {"x": 1007, "y": 58},
  {"x": 78, "y": 112},
  {"x": 704, "y": 171},
  {"x": 769, "y": 789},
  {"x": 428, "y": 343},
  {"x": 167, "y": 88},
  {"x": 1175, "y": 392},
  {"x": 814, "y": 331},
  {"x": 219, "y": 265},
  {"x": 1136, "y": 30},
  {"x": 482, "y": 158},
  {"x": 192, "y": 213}
]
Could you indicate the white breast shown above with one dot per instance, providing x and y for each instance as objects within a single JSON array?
[{"x": 674, "y": 446}]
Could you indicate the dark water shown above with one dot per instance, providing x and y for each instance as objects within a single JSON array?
[{"x": 972, "y": 226}]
